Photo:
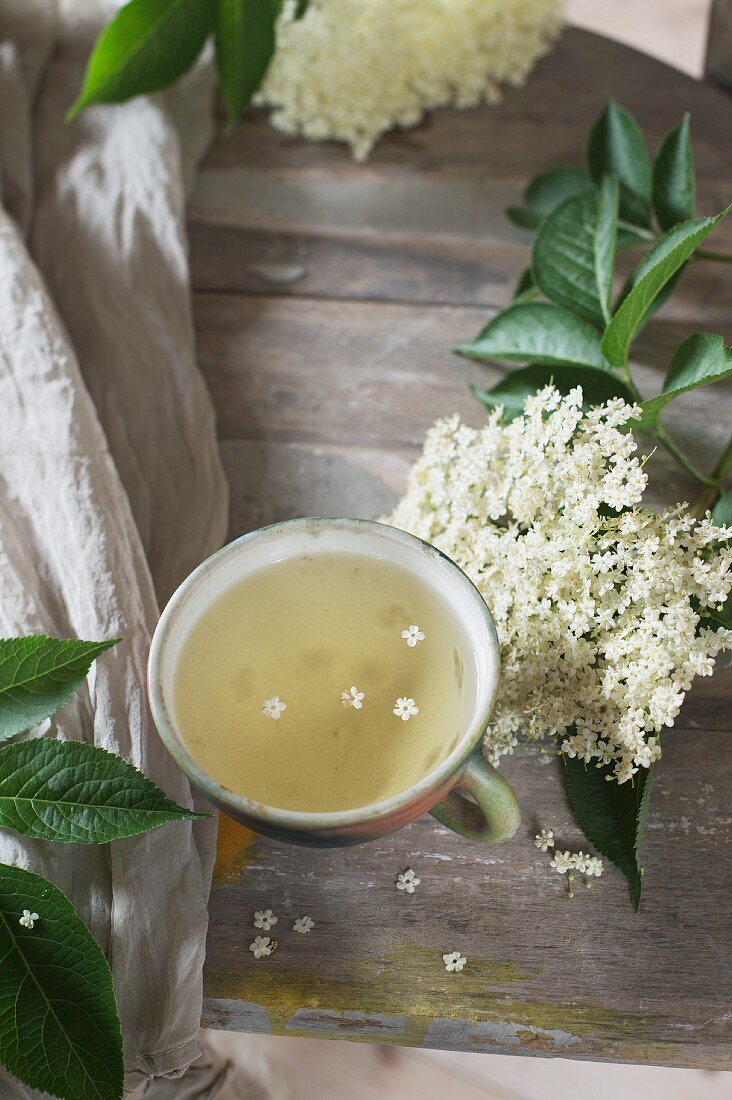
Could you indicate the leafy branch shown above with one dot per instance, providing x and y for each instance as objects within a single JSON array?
[
  {"x": 150, "y": 44},
  {"x": 563, "y": 323},
  {"x": 59, "y": 1024},
  {"x": 565, "y": 327}
]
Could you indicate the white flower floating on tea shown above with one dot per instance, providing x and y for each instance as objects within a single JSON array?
[
  {"x": 405, "y": 709},
  {"x": 28, "y": 919},
  {"x": 412, "y": 635},
  {"x": 407, "y": 881},
  {"x": 303, "y": 924},
  {"x": 353, "y": 698},
  {"x": 265, "y": 918},
  {"x": 262, "y": 946},
  {"x": 454, "y": 960},
  {"x": 273, "y": 707}
]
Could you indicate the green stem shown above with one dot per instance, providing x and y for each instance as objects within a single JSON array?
[
  {"x": 645, "y": 234},
  {"x": 666, "y": 441},
  {"x": 712, "y": 493},
  {"x": 625, "y": 370},
  {"x": 715, "y": 257}
]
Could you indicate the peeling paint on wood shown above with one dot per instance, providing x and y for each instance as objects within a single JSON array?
[{"x": 234, "y": 850}]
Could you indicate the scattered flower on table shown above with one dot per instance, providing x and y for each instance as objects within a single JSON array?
[
  {"x": 265, "y": 918},
  {"x": 544, "y": 840},
  {"x": 303, "y": 924},
  {"x": 581, "y": 862},
  {"x": 273, "y": 707},
  {"x": 591, "y": 866},
  {"x": 405, "y": 709},
  {"x": 412, "y": 635},
  {"x": 28, "y": 919},
  {"x": 262, "y": 946},
  {"x": 407, "y": 881},
  {"x": 353, "y": 698},
  {"x": 455, "y": 960},
  {"x": 563, "y": 862}
]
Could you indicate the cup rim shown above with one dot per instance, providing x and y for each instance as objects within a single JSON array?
[{"x": 316, "y": 820}]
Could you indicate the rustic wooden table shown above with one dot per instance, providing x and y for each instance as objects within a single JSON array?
[{"x": 327, "y": 296}]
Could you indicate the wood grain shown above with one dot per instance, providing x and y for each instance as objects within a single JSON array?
[
  {"x": 718, "y": 65},
  {"x": 327, "y": 297}
]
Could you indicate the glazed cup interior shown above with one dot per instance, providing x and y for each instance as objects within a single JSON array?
[{"x": 295, "y": 538}]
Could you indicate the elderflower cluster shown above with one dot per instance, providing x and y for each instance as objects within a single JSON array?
[
  {"x": 352, "y": 69},
  {"x": 596, "y": 600}
]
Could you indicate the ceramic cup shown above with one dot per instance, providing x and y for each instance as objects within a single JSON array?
[{"x": 490, "y": 816}]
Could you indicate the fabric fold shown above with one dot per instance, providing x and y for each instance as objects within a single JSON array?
[{"x": 111, "y": 488}]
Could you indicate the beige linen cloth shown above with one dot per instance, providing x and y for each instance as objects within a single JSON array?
[{"x": 111, "y": 488}]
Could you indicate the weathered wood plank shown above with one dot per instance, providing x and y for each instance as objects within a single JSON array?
[
  {"x": 718, "y": 66},
  {"x": 324, "y": 387},
  {"x": 330, "y": 262},
  {"x": 378, "y": 374},
  {"x": 334, "y": 264},
  {"x": 583, "y": 978}
]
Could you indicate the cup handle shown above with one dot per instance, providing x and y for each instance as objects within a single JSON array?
[{"x": 495, "y": 814}]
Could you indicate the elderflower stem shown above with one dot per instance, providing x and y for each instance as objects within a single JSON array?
[
  {"x": 628, "y": 377},
  {"x": 711, "y": 494},
  {"x": 714, "y": 482}
]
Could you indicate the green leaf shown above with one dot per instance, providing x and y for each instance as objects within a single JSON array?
[
  {"x": 511, "y": 392},
  {"x": 574, "y": 255},
  {"x": 78, "y": 794},
  {"x": 722, "y": 510},
  {"x": 38, "y": 675},
  {"x": 550, "y": 189},
  {"x": 147, "y": 46},
  {"x": 657, "y": 303},
  {"x": 617, "y": 147},
  {"x": 60, "y": 1029},
  {"x": 537, "y": 332},
  {"x": 245, "y": 43},
  {"x": 523, "y": 217},
  {"x": 701, "y": 360},
  {"x": 654, "y": 271},
  {"x": 674, "y": 179},
  {"x": 611, "y": 815},
  {"x": 545, "y": 193},
  {"x": 526, "y": 289}
]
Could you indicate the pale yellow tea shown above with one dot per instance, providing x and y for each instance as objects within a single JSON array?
[{"x": 323, "y": 683}]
